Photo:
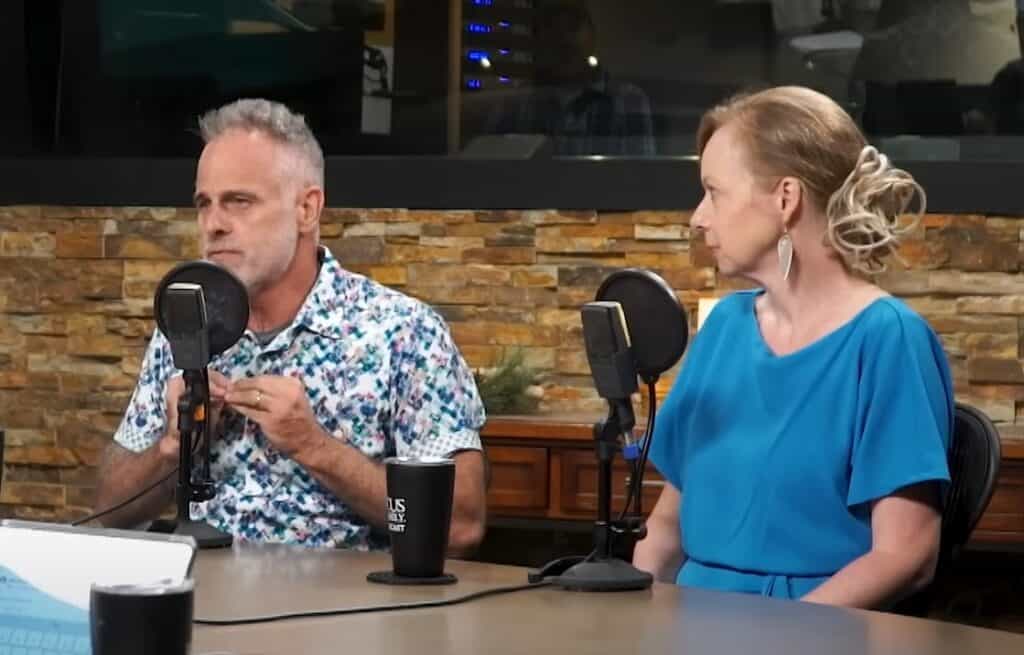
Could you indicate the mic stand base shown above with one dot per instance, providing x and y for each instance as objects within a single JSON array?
[
  {"x": 206, "y": 535},
  {"x": 600, "y": 571},
  {"x": 603, "y": 575}
]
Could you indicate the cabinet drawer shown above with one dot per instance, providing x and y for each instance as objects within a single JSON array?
[
  {"x": 579, "y": 473},
  {"x": 519, "y": 478},
  {"x": 1003, "y": 520}
]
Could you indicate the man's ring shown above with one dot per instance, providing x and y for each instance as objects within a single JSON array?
[{"x": 259, "y": 399}]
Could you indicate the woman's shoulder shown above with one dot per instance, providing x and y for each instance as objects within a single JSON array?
[
  {"x": 888, "y": 315},
  {"x": 893, "y": 331}
]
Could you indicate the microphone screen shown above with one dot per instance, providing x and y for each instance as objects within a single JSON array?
[
  {"x": 606, "y": 339},
  {"x": 225, "y": 304},
  {"x": 186, "y": 328},
  {"x": 185, "y": 300}
]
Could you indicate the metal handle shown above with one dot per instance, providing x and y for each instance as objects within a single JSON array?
[{"x": 654, "y": 484}]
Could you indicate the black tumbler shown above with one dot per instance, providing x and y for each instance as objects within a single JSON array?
[
  {"x": 420, "y": 493},
  {"x": 132, "y": 619}
]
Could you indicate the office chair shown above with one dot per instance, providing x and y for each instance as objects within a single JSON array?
[{"x": 974, "y": 457}]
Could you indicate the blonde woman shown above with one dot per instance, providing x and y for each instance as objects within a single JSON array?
[{"x": 804, "y": 442}]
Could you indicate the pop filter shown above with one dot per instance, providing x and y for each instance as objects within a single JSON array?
[
  {"x": 226, "y": 303},
  {"x": 655, "y": 319}
]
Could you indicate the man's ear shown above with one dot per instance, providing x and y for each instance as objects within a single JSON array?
[{"x": 310, "y": 205}]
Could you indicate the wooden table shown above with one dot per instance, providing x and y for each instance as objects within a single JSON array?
[{"x": 263, "y": 580}]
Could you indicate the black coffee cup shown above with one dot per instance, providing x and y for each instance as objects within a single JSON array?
[
  {"x": 131, "y": 619},
  {"x": 419, "y": 513}
]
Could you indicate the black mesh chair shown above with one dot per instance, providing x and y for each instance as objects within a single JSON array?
[{"x": 974, "y": 457}]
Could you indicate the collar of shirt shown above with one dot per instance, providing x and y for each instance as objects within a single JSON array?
[{"x": 328, "y": 297}]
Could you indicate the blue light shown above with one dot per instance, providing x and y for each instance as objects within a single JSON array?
[
  {"x": 483, "y": 3},
  {"x": 476, "y": 55},
  {"x": 504, "y": 51},
  {"x": 503, "y": 79},
  {"x": 478, "y": 28},
  {"x": 505, "y": 24},
  {"x": 474, "y": 84}
]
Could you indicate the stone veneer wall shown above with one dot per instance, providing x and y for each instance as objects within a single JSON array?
[{"x": 76, "y": 289}]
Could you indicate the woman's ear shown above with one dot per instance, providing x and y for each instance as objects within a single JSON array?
[
  {"x": 789, "y": 198},
  {"x": 310, "y": 206}
]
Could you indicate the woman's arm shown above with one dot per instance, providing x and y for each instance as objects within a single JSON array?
[
  {"x": 660, "y": 553},
  {"x": 905, "y": 529}
]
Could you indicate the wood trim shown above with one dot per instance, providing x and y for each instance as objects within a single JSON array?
[
  {"x": 1013, "y": 449},
  {"x": 454, "y": 99},
  {"x": 525, "y": 427},
  {"x": 571, "y": 428}
]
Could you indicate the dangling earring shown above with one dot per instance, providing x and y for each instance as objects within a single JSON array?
[{"x": 785, "y": 248}]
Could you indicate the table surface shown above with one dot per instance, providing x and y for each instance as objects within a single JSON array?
[{"x": 247, "y": 581}]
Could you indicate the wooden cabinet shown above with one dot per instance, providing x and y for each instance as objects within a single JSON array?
[
  {"x": 519, "y": 479},
  {"x": 1003, "y": 521},
  {"x": 545, "y": 468},
  {"x": 579, "y": 473}
]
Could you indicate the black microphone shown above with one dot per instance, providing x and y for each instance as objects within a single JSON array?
[
  {"x": 186, "y": 326},
  {"x": 202, "y": 310},
  {"x": 636, "y": 328},
  {"x": 610, "y": 355}
]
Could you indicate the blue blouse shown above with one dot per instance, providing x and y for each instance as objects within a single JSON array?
[{"x": 779, "y": 457}]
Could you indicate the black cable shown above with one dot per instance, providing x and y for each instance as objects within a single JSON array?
[
  {"x": 483, "y": 593},
  {"x": 93, "y": 517},
  {"x": 132, "y": 499},
  {"x": 652, "y": 400},
  {"x": 640, "y": 463}
]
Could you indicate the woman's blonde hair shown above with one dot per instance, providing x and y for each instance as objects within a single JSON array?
[{"x": 794, "y": 131}]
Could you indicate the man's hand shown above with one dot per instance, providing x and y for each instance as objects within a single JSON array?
[
  {"x": 280, "y": 406},
  {"x": 169, "y": 443}
]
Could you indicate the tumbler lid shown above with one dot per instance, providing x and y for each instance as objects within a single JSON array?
[
  {"x": 420, "y": 461},
  {"x": 157, "y": 588}
]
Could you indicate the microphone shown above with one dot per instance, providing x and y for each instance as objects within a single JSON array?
[
  {"x": 610, "y": 355},
  {"x": 202, "y": 310},
  {"x": 186, "y": 328},
  {"x": 634, "y": 328}
]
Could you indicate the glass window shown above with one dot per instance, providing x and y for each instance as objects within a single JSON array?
[{"x": 927, "y": 79}]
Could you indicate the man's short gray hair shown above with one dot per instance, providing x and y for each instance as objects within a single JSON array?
[{"x": 274, "y": 120}]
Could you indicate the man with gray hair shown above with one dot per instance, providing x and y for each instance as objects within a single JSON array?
[{"x": 334, "y": 372}]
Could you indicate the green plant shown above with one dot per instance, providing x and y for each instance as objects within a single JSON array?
[{"x": 510, "y": 386}]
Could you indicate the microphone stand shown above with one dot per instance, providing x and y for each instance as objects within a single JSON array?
[
  {"x": 193, "y": 424},
  {"x": 601, "y": 571}
]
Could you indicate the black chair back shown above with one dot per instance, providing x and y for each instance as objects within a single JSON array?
[{"x": 974, "y": 457}]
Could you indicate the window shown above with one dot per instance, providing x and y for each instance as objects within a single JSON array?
[{"x": 927, "y": 79}]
